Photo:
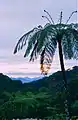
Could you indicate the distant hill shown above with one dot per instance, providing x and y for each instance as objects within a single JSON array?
[
  {"x": 7, "y": 84},
  {"x": 53, "y": 82},
  {"x": 26, "y": 79}
]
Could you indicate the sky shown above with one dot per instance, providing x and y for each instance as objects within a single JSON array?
[{"x": 18, "y": 17}]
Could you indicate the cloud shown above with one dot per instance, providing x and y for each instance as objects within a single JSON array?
[
  {"x": 23, "y": 74},
  {"x": 19, "y": 16}
]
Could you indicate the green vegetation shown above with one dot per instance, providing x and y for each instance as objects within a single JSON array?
[{"x": 38, "y": 99}]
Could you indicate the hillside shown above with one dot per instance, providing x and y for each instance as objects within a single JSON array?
[
  {"x": 51, "y": 82},
  {"x": 30, "y": 100}
]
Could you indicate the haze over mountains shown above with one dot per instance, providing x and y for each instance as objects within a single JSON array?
[
  {"x": 26, "y": 79},
  {"x": 70, "y": 73}
]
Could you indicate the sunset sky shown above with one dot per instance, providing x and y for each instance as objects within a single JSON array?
[{"x": 19, "y": 16}]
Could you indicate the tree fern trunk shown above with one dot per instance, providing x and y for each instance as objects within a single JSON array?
[{"x": 64, "y": 79}]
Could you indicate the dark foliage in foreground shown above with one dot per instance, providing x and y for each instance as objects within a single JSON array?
[{"x": 38, "y": 99}]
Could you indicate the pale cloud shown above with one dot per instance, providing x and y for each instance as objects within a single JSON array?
[
  {"x": 22, "y": 68},
  {"x": 22, "y": 74}
]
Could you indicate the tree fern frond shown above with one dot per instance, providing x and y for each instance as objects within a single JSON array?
[
  {"x": 47, "y": 57},
  {"x": 23, "y": 40},
  {"x": 33, "y": 53},
  {"x": 70, "y": 42},
  {"x": 67, "y": 46},
  {"x": 75, "y": 43},
  {"x": 32, "y": 42},
  {"x": 45, "y": 36}
]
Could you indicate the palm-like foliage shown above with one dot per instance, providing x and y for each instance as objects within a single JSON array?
[{"x": 43, "y": 41}]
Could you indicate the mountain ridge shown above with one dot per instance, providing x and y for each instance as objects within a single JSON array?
[
  {"x": 27, "y": 79},
  {"x": 51, "y": 81}
]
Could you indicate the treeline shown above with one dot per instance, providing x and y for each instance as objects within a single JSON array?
[{"x": 39, "y": 99}]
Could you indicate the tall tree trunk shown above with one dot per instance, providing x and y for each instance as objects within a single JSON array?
[{"x": 64, "y": 79}]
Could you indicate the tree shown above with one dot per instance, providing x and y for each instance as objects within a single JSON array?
[{"x": 43, "y": 41}]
